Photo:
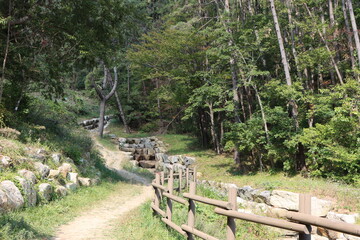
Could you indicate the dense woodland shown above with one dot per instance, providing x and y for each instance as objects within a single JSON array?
[{"x": 275, "y": 83}]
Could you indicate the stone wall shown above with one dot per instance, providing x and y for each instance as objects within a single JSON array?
[
  {"x": 275, "y": 203},
  {"x": 94, "y": 123},
  {"x": 38, "y": 183},
  {"x": 150, "y": 153}
]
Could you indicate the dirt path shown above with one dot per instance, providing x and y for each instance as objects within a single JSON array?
[{"x": 95, "y": 223}]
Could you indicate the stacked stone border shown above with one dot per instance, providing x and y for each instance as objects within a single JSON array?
[{"x": 292, "y": 211}]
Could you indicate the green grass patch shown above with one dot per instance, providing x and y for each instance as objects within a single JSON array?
[
  {"x": 138, "y": 171},
  {"x": 41, "y": 222},
  {"x": 142, "y": 224},
  {"x": 222, "y": 168}
]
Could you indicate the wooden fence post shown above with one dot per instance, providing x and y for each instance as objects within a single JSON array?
[
  {"x": 168, "y": 200},
  {"x": 180, "y": 179},
  {"x": 191, "y": 213},
  {"x": 305, "y": 207},
  {"x": 231, "y": 225},
  {"x": 157, "y": 191},
  {"x": 195, "y": 172},
  {"x": 187, "y": 177}
]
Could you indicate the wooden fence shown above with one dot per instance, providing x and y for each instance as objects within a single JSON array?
[{"x": 300, "y": 222}]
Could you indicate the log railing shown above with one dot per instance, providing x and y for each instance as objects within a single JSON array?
[{"x": 300, "y": 222}]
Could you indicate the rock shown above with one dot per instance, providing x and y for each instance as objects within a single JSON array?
[
  {"x": 284, "y": 199},
  {"x": 122, "y": 140},
  {"x": 246, "y": 193},
  {"x": 64, "y": 169},
  {"x": 189, "y": 161},
  {"x": 54, "y": 173},
  {"x": 350, "y": 237},
  {"x": 85, "y": 181},
  {"x": 42, "y": 169},
  {"x": 342, "y": 217},
  {"x": 61, "y": 191},
  {"x": 147, "y": 164},
  {"x": 73, "y": 177},
  {"x": 56, "y": 158},
  {"x": 10, "y": 196},
  {"x": 262, "y": 197},
  {"x": 112, "y": 136},
  {"x": 199, "y": 174},
  {"x": 320, "y": 207},
  {"x": 5, "y": 161},
  {"x": 45, "y": 191},
  {"x": 71, "y": 186},
  {"x": 317, "y": 237},
  {"x": 28, "y": 175},
  {"x": 28, "y": 191},
  {"x": 3, "y": 201}
]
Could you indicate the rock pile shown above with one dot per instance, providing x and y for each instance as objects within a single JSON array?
[
  {"x": 39, "y": 183},
  {"x": 93, "y": 123},
  {"x": 142, "y": 151},
  {"x": 150, "y": 153}
]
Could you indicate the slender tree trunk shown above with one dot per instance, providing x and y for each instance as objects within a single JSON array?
[
  {"x": 281, "y": 44},
  {"x": 355, "y": 29},
  {"x": 348, "y": 36},
  {"x": 292, "y": 36},
  {"x": 333, "y": 62},
  {"x": 2, "y": 79},
  {"x": 118, "y": 102},
  {"x": 128, "y": 82},
  {"x": 212, "y": 128}
]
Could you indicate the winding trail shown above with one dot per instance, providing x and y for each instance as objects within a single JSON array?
[{"x": 97, "y": 222}]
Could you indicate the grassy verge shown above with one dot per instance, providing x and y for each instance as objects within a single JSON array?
[
  {"x": 41, "y": 222},
  {"x": 222, "y": 168},
  {"x": 142, "y": 224}
]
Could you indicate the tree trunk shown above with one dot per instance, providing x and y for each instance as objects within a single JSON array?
[
  {"x": 281, "y": 44},
  {"x": 118, "y": 102},
  {"x": 355, "y": 29},
  {"x": 2, "y": 79},
  {"x": 348, "y": 36},
  {"x": 212, "y": 128},
  {"x": 327, "y": 48},
  {"x": 102, "y": 116}
]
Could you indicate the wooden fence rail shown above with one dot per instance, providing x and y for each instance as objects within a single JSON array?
[{"x": 300, "y": 221}]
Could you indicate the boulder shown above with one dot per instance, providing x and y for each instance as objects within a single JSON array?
[
  {"x": 28, "y": 191},
  {"x": 45, "y": 191},
  {"x": 85, "y": 181},
  {"x": 189, "y": 161},
  {"x": 262, "y": 197},
  {"x": 42, "y": 169},
  {"x": 11, "y": 196},
  {"x": 122, "y": 140},
  {"x": 56, "y": 158},
  {"x": 64, "y": 169},
  {"x": 73, "y": 177},
  {"x": 348, "y": 218},
  {"x": 246, "y": 193},
  {"x": 147, "y": 164},
  {"x": 41, "y": 151},
  {"x": 71, "y": 186},
  {"x": 320, "y": 207},
  {"x": 61, "y": 191},
  {"x": 285, "y": 200},
  {"x": 54, "y": 173},
  {"x": 3, "y": 201},
  {"x": 5, "y": 161},
  {"x": 28, "y": 175}
]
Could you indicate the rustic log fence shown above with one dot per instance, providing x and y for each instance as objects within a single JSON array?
[{"x": 300, "y": 222}]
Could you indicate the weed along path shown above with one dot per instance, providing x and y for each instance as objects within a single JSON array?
[{"x": 98, "y": 222}]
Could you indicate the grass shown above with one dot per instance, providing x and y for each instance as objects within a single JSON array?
[
  {"x": 142, "y": 224},
  {"x": 41, "y": 222},
  {"x": 222, "y": 168}
]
